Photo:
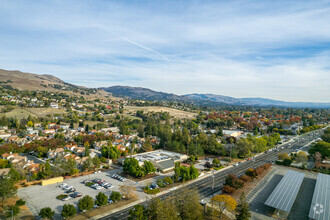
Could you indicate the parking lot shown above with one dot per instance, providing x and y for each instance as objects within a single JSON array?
[{"x": 38, "y": 197}]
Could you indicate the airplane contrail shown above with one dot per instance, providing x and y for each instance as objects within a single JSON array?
[{"x": 135, "y": 43}]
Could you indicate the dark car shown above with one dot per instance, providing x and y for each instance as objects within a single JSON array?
[
  {"x": 76, "y": 195},
  {"x": 71, "y": 190}
]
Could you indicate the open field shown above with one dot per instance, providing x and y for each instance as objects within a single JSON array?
[
  {"x": 20, "y": 113},
  {"x": 173, "y": 112}
]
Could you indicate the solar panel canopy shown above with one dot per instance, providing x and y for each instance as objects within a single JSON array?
[
  {"x": 320, "y": 207},
  {"x": 286, "y": 191}
]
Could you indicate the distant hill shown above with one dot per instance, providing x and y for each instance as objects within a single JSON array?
[
  {"x": 142, "y": 93},
  {"x": 46, "y": 82},
  {"x": 256, "y": 101},
  {"x": 205, "y": 99}
]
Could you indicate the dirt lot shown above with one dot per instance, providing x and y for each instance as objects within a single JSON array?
[{"x": 173, "y": 112}]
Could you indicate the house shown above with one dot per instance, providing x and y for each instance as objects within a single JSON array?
[
  {"x": 80, "y": 151},
  {"x": 3, "y": 128},
  {"x": 54, "y": 105},
  {"x": 121, "y": 147},
  {"x": 4, "y": 171},
  {"x": 55, "y": 153},
  {"x": 100, "y": 144},
  {"x": 13, "y": 158},
  {"x": 33, "y": 168},
  {"x": 65, "y": 127},
  {"x": 70, "y": 147},
  {"x": 49, "y": 131},
  {"x": 232, "y": 133},
  {"x": 51, "y": 125},
  {"x": 5, "y": 135}
]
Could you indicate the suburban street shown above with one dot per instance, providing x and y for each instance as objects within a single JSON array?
[{"x": 205, "y": 185}]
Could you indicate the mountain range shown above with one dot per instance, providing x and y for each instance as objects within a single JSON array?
[
  {"x": 206, "y": 99},
  {"x": 46, "y": 82}
]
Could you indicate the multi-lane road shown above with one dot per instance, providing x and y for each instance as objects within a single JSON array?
[{"x": 205, "y": 185}]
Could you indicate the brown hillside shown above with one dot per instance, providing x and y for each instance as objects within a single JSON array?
[{"x": 30, "y": 81}]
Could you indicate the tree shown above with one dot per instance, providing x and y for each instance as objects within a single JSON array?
[
  {"x": 148, "y": 167},
  {"x": 96, "y": 162},
  {"x": 322, "y": 147},
  {"x": 223, "y": 202},
  {"x": 188, "y": 205},
  {"x": 138, "y": 213},
  {"x": 46, "y": 213},
  {"x": 242, "y": 209},
  {"x": 69, "y": 210},
  {"x": 301, "y": 156},
  {"x": 85, "y": 203},
  {"x": 283, "y": 156},
  {"x": 7, "y": 188},
  {"x": 216, "y": 162},
  {"x": 115, "y": 196},
  {"x": 244, "y": 147},
  {"x": 126, "y": 191},
  {"x": 88, "y": 164},
  {"x": 132, "y": 167},
  {"x": 101, "y": 199},
  {"x": 86, "y": 145},
  {"x": 12, "y": 211},
  {"x": 147, "y": 145},
  {"x": 29, "y": 124}
]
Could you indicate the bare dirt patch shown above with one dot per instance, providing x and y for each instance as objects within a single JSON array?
[{"x": 173, "y": 112}]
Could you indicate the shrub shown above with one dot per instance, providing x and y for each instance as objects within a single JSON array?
[
  {"x": 68, "y": 211},
  {"x": 168, "y": 180},
  {"x": 62, "y": 196},
  {"x": 245, "y": 178},
  {"x": 89, "y": 183},
  {"x": 46, "y": 213},
  {"x": 160, "y": 183},
  {"x": 228, "y": 189},
  {"x": 151, "y": 191},
  {"x": 20, "y": 202},
  {"x": 287, "y": 162},
  {"x": 251, "y": 173},
  {"x": 103, "y": 159},
  {"x": 259, "y": 170},
  {"x": 234, "y": 182},
  {"x": 115, "y": 196}
]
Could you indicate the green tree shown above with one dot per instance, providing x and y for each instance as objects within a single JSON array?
[
  {"x": 12, "y": 211},
  {"x": 132, "y": 167},
  {"x": 138, "y": 213},
  {"x": 86, "y": 145},
  {"x": 101, "y": 199},
  {"x": 115, "y": 196},
  {"x": 188, "y": 205},
  {"x": 68, "y": 211},
  {"x": 216, "y": 162},
  {"x": 7, "y": 188},
  {"x": 96, "y": 162},
  {"x": 242, "y": 209},
  {"x": 148, "y": 167},
  {"x": 46, "y": 213},
  {"x": 85, "y": 203}
]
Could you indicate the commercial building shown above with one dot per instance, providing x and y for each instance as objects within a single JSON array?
[{"x": 163, "y": 160}]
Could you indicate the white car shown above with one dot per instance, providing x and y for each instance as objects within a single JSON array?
[
  {"x": 68, "y": 187},
  {"x": 63, "y": 185},
  {"x": 98, "y": 187}
]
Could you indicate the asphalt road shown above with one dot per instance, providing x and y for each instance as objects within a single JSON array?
[{"x": 204, "y": 186}]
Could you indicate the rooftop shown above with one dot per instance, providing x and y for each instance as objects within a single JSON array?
[
  {"x": 286, "y": 191},
  {"x": 320, "y": 206}
]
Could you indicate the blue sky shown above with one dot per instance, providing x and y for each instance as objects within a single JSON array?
[{"x": 271, "y": 49}]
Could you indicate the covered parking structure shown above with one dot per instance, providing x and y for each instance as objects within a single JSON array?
[
  {"x": 285, "y": 193},
  {"x": 320, "y": 207}
]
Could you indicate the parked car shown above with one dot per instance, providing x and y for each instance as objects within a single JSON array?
[
  {"x": 71, "y": 190},
  {"x": 66, "y": 198},
  {"x": 63, "y": 185},
  {"x": 67, "y": 187},
  {"x": 110, "y": 201},
  {"x": 76, "y": 195},
  {"x": 98, "y": 187}
]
